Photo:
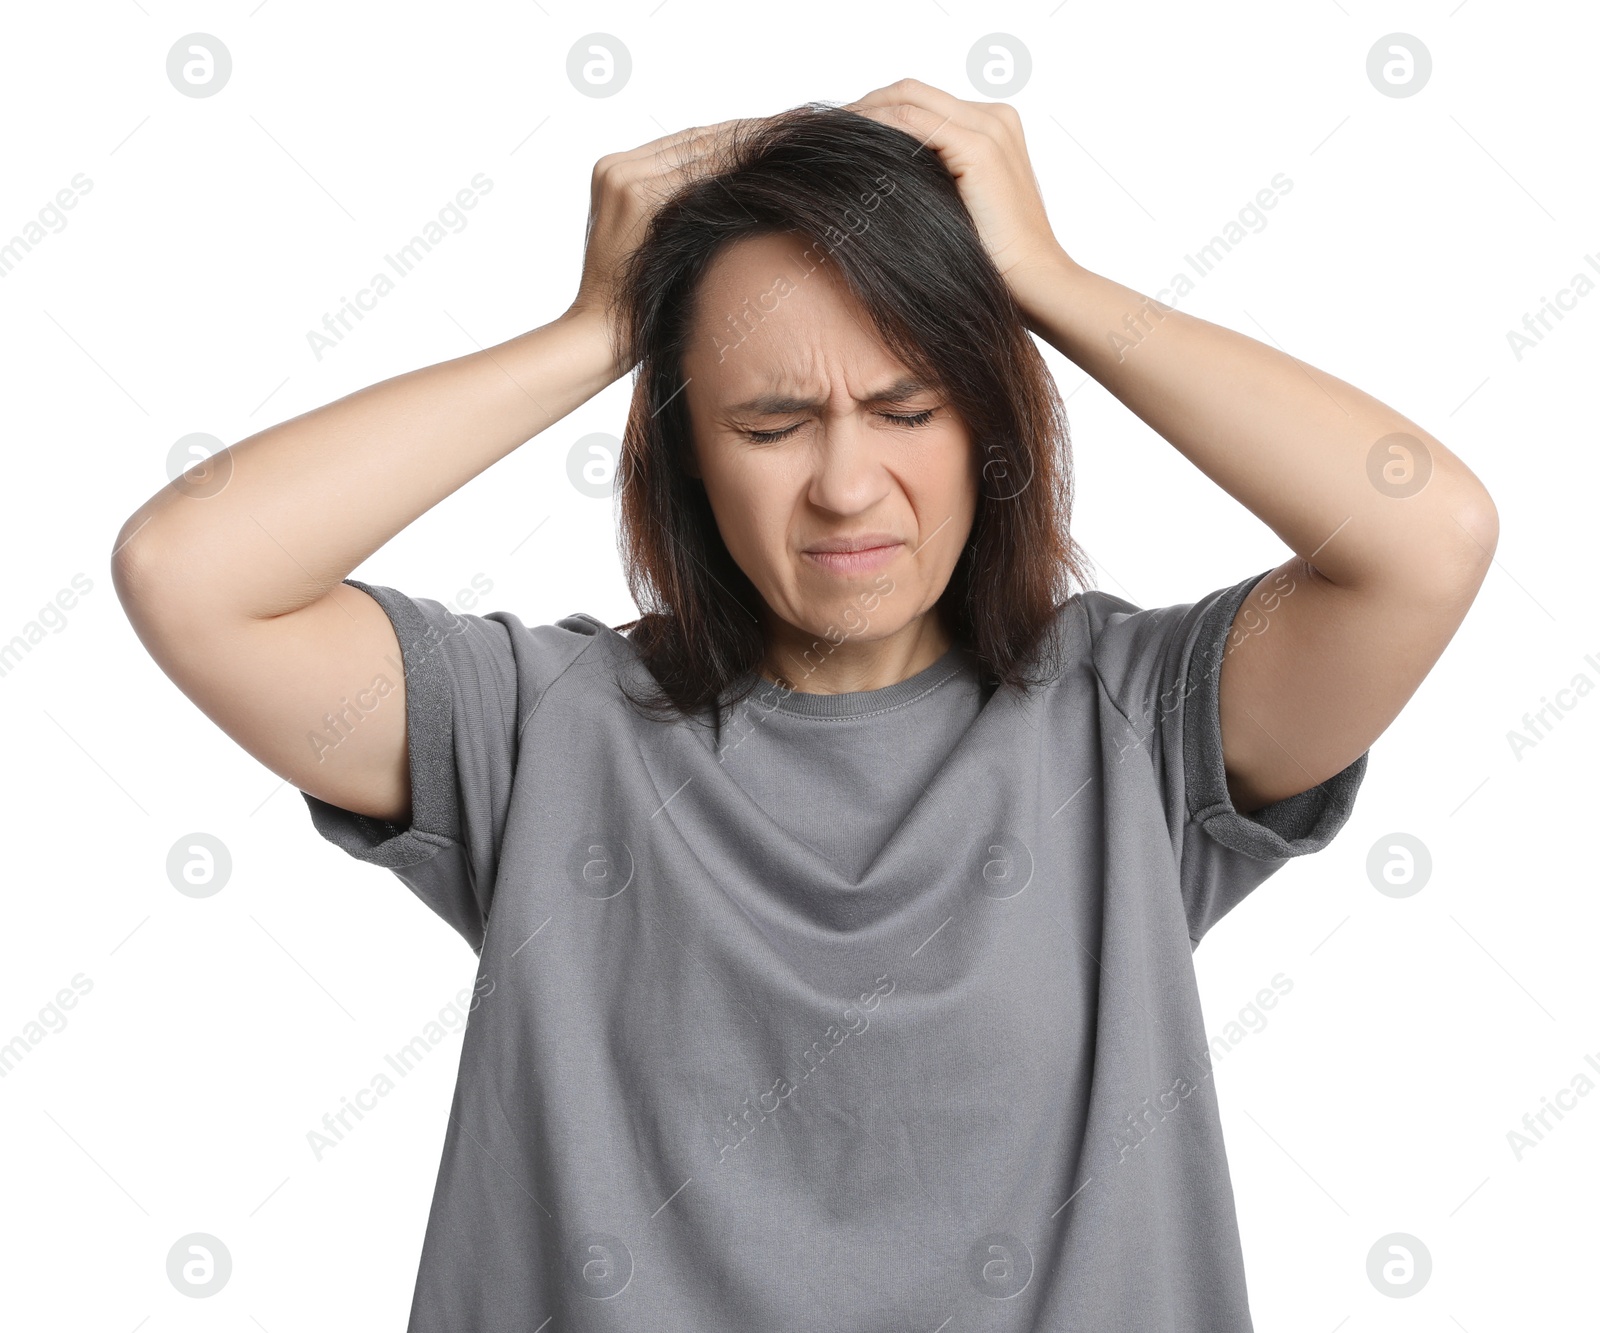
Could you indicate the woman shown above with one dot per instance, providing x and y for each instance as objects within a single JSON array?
[{"x": 835, "y": 924}]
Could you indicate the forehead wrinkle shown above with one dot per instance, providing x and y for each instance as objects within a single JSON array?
[
  {"x": 799, "y": 359},
  {"x": 776, "y": 402},
  {"x": 804, "y": 362}
]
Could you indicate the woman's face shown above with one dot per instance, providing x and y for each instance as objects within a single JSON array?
[{"x": 807, "y": 428}]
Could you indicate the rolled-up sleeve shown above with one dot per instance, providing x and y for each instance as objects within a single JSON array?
[
  {"x": 469, "y": 680},
  {"x": 1163, "y": 668}
]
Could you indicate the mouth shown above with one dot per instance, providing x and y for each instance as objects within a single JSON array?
[{"x": 859, "y": 561}]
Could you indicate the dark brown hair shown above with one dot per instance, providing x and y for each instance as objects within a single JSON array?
[{"x": 888, "y": 214}]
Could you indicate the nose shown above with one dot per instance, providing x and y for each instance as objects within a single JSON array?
[{"x": 847, "y": 475}]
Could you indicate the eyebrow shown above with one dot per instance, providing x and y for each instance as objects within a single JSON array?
[{"x": 780, "y": 404}]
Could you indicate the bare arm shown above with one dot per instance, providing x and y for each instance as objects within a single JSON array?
[
  {"x": 309, "y": 499},
  {"x": 1331, "y": 645},
  {"x": 239, "y": 595},
  {"x": 1333, "y": 642}
]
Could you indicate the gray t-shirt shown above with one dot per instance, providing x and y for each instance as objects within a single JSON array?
[{"x": 875, "y": 1011}]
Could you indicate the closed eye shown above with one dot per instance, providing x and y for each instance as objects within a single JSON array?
[{"x": 773, "y": 436}]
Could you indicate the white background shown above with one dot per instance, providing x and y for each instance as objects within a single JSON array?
[{"x": 219, "y": 231}]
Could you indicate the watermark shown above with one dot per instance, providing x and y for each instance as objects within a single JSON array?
[
  {"x": 1007, "y": 866},
  {"x": 592, "y": 464},
  {"x": 336, "y": 324},
  {"x": 1251, "y": 1018},
  {"x": 199, "y": 865},
  {"x": 452, "y": 1018},
  {"x": 51, "y": 220},
  {"x": 1399, "y": 1264},
  {"x": 739, "y": 1125},
  {"x": 1540, "y": 724},
  {"x": 1399, "y": 865},
  {"x": 1137, "y": 323},
  {"x": 52, "y": 1018},
  {"x": 996, "y": 471},
  {"x": 1398, "y": 65},
  {"x": 772, "y": 693},
  {"x": 190, "y": 468},
  {"x": 598, "y": 65},
  {"x": 999, "y": 64},
  {"x": 1537, "y": 325},
  {"x": 1251, "y": 620},
  {"x": 598, "y": 1265},
  {"x": 1140, "y": 1124},
  {"x": 339, "y": 724},
  {"x": 199, "y": 65},
  {"x": 1536, "y": 1124},
  {"x": 834, "y": 635},
  {"x": 741, "y": 324},
  {"x": 1000, "y": 1265},
  {"x": 1251, "y": 219},
  {"x": 199, "y": 1264},
  {"x": 600, "y": 867},
  {"x": 1137, "y": 1127},
  {"x": 1399, "y": 465},
  {"x": 51, "y": 618}
]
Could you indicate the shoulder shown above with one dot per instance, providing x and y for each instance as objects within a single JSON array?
[
  {"x": 1137, "y": 650},
  {"x": 1098, "y": 627},
  {"x": 555, "y": 651},
  {"x": 432, "y": 633}
]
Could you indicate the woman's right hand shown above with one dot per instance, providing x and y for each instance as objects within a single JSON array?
[{"x": 625, "y": 191}]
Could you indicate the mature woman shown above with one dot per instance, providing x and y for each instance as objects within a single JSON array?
[{"x": 835, "y": 921}]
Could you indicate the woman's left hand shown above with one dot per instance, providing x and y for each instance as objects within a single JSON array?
[{"x": 981, "y": 145}]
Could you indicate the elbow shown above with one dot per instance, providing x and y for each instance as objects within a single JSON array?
[
  {"x": 1477, "y": 533},
  {"x": 125, "y": 550},
  {"x": 138, "y": 569},
  {"x": 1482, "y": 522},
  {"x": 1454, "y": 560},
  {"x": 131, "y": 551},
  {"x": 1446, "y": 558}
]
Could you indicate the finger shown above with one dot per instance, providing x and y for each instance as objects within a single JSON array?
[
  {"x": 913, "y": 92},
  {"x": 683, "y": 151},
  {"x": 667, "y": 141},
  {"x": 681, "y": 158},
  {"x": 927, "y": 128}
]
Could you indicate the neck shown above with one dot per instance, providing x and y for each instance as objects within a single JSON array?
[{"x": 813, "y": 664}]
